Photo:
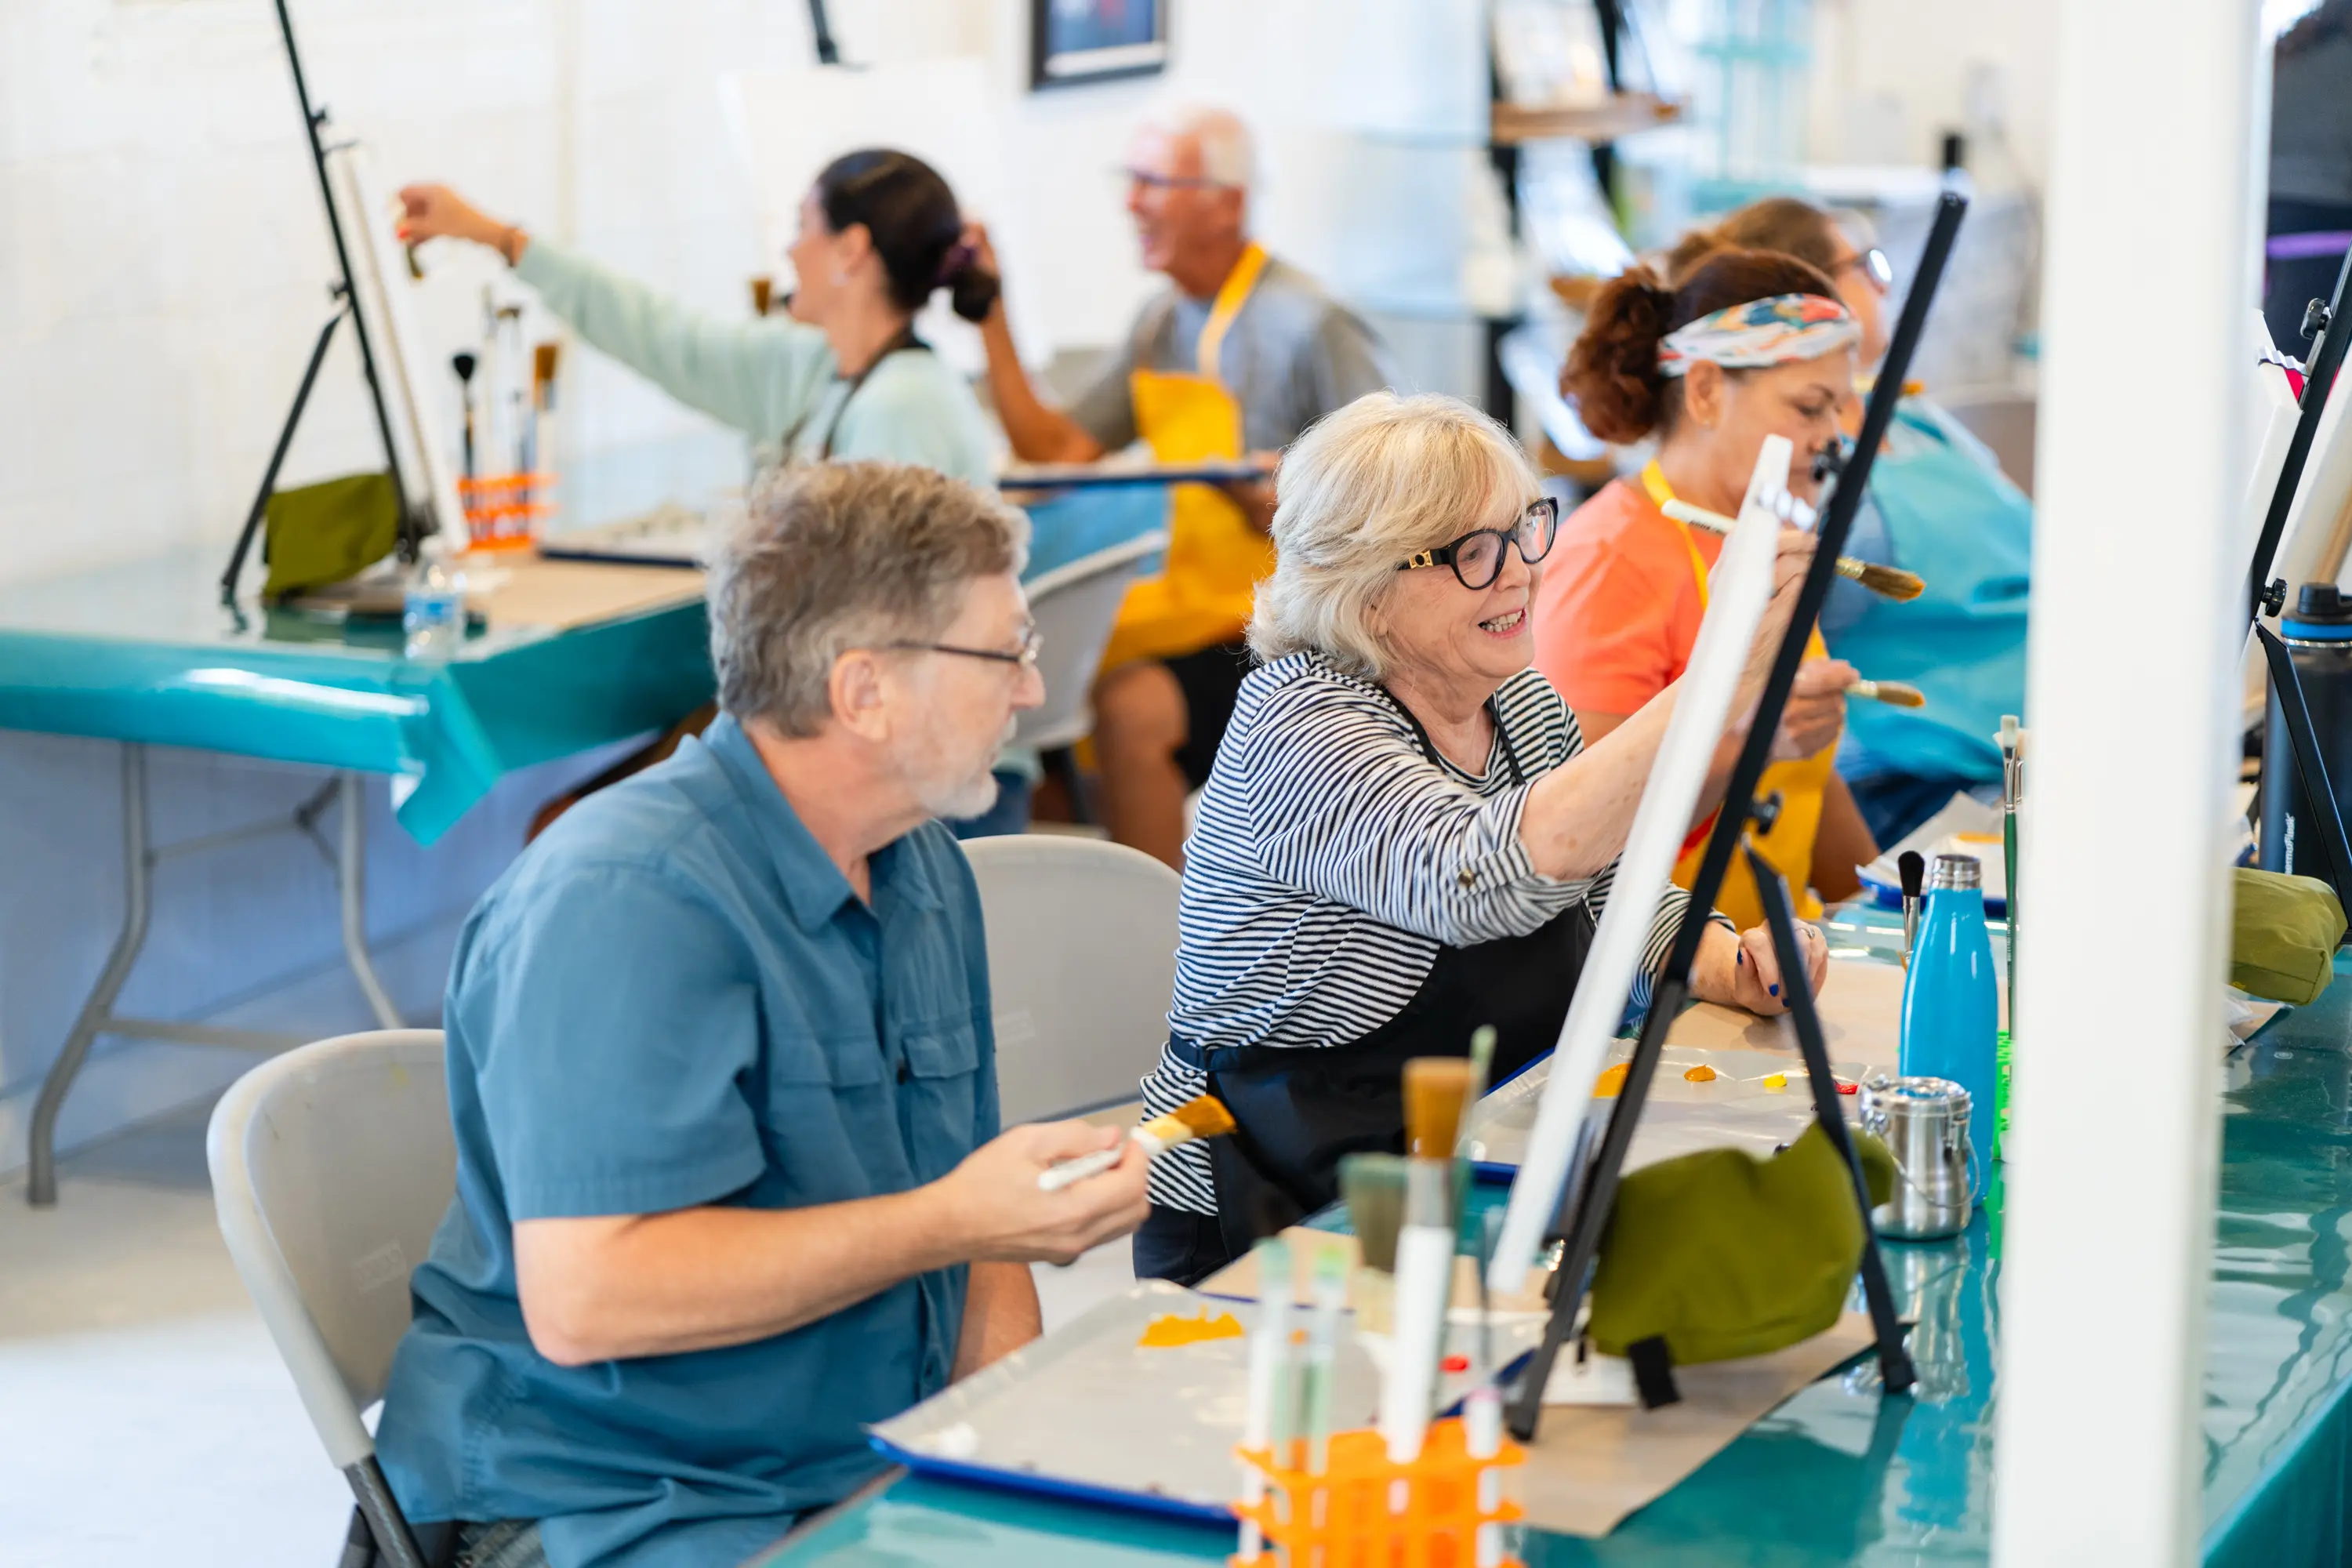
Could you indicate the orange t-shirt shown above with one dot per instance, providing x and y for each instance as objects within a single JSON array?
[{"x": 1619, "y": 609}]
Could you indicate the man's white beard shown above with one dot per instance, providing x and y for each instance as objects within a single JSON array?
[{"x": 955, "y": 802}]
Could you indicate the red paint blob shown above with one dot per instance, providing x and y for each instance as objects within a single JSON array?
[
  {"x": 1455, "y": 1363},
  {"x": 1849, "y": 1089}
]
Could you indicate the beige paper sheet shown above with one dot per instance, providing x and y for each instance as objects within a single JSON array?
[
  {"x": 563, "y": 594},
  {"x": 1592, "y": 1466},
  {"x": 1861, "y": 1005},
  {"x": 1238, "y": 1279}
]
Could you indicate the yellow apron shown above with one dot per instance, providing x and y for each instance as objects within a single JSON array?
[
  {"x": 1790, "y": 845},
  {"x": 1215, "y": 559}
]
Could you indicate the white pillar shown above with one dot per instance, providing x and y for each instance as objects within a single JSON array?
[{"x": 2132, "y": 695}]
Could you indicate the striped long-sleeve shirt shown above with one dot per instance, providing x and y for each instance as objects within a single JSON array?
[{"x": 1330, "y": 859}]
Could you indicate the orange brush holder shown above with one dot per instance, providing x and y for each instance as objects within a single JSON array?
[
  {"x": 503, "y": 511},
  {"x": 1341, "y": 1519}
]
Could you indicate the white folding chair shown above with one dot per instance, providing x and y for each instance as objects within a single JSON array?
[
  {"x": 1081, "y": 966},
  {"x": 332, "y": 1165},
  {"x": 1074, "y": 606}
]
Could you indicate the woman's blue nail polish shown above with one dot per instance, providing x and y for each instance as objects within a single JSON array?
[
  {"x": 1776, "y": 991},
  {"x": 1740, "y": 957}
]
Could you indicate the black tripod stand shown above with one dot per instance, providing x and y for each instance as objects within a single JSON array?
[
  {"x": 2332, "y": 334},
  {"x": 1589, "y": 1197},
  {"x": 345, "y": 295}
]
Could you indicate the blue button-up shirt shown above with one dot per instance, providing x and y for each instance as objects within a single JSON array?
[{"x": 673, "y": 999}]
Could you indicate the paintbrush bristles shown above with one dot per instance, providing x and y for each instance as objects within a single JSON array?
[
  {"x": 1894, "y": 693},
  {"x": 1436, "y": 1092},
  {"x": 1205, "y": 1117},
  {"x": 1887, "y": 582}
]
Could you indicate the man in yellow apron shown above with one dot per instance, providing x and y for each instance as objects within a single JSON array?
[{"x": 1237, "y": 356}]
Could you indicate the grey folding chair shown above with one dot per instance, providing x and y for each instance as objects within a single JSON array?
[
  {"x": 1081, "y": 966},
  {"x": 332, "y": 1165},
  {"x": 1074, "y": 606}
]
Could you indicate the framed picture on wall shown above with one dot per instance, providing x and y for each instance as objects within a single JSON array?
[{"x": 1073, "y": 41}]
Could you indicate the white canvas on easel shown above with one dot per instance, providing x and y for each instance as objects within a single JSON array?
[
  {"x": 381, "y": 286},
  {"x": 1738, "y": 589},
  {"x": 788, "y": 124}
]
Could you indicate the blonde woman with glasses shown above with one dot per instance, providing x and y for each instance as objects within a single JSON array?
[{"x": 1403, "y": 836}]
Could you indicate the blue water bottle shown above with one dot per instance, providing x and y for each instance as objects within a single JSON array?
[{"x": 1951, "y": 1005}]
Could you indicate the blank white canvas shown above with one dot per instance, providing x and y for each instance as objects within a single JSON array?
[
  {"x": 421, "y": 425},
  {"x": 1738, "y": 589}
]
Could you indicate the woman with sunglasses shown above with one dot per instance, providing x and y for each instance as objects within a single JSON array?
[
  {"x": 1751, "y": 344},
  {"x": 1939, "y": 506},
  {"x": 1404, "y": 835}
]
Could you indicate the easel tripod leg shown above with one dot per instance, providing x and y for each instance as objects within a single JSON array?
[{"x": 1896, "y": 1371}]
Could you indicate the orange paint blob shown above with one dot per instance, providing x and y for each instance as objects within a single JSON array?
[
  {"x": 1611, "y": 1082},
  {"x": 1170, "y": 1331},
  {"x": 1700, "y": 1074}
]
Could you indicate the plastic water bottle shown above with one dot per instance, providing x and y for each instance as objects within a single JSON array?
[
  {"x": 433, "y": 611},
  {"x": 1951, "y": 1001}
]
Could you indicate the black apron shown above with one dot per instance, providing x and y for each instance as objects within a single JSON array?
[
  {"x": 904, "y": 340},
  {"x": 1299, "y": 1110}
]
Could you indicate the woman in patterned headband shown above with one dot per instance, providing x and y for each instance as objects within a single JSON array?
[{"x": 1749, "y": 344}]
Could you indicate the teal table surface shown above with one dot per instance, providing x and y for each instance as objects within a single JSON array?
[
  {"x": 1837, "y": 1476},
  {"x": 146, "y": 652}
]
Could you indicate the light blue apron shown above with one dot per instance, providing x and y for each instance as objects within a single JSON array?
[{"x": 1946, "y": 512}]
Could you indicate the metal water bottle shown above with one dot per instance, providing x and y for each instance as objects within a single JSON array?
[
  {"x": 1951, "y": 1001},
  {"x": 2318, "y": 636}
]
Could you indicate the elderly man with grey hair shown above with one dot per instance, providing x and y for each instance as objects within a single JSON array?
[
  {"x": 730, "y": 1180},
  {"x": 1237, "y": 356}
]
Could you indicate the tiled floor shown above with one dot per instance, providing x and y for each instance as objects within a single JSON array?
[{"x": 144, "y": 1418}]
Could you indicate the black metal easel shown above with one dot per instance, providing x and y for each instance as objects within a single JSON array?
[
  {"x": 2331, "y": 332},
  {"x": 828, "y": 53},
  {"x": 1587, "y": 1197},
  {"x": 345, "y": 291}
]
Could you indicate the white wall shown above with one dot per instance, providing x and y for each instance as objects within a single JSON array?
[{"x": 164, "y": 263}]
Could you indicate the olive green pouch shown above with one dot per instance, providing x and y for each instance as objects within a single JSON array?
[
  {"x": 2284, "y": 933},
  {"x": 322, "y": 533},
  {"x": 1720, "y": 1255}
]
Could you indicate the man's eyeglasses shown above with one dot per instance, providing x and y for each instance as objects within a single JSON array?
[
  {"x": 1032, "y": 644},
  {"x": 1158, "y": 182},
  {"x": 1477, "y": 558},
  {"x": 1874, "y": 267}
]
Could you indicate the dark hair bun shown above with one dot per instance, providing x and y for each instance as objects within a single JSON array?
[
  {"x": 912, "y": 219},
  {"x": 1613, "y": 374},
  {"x": 972, "y": 288}
]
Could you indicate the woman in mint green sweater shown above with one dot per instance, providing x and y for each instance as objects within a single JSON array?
[{"x": 842, "y": 376}]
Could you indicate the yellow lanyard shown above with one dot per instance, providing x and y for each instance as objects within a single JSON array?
[
  {"x": 1232, "y": 295},
  {"x": 1653, "y": 480}
]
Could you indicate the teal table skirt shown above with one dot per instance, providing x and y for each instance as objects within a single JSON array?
[
  {"x": 1836, "y": 1475},
  {"x": 145, "y": 653}
]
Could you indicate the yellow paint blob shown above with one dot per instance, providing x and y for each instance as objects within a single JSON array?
[
  {"x": 1700, "y": 1074},
  {"x": 1169, "y": 1332},
  {"x": 1777, "y": 1082},
  {"x": 1611, "y": 1082}
]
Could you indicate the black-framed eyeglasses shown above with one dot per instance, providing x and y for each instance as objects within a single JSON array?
[
  {"x": 1874, "y": 267},
  {"x": 1032, "y": 644},
  {"x": 1477, "y": 558}
]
